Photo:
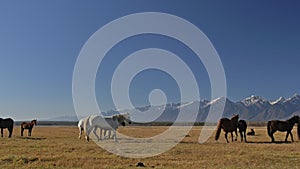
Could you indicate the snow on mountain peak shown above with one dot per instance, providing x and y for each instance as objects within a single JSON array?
[
  {"x": 279, "y": 100},
  {"x": 217, "y": 100},
  {"x": 294, "y": 99},
  {"x": 296, "y": 96},
  {"x": 185, "y": 104},
  {"x": 254, "y": 99}
]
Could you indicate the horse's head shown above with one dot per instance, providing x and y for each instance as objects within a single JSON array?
[
  {"x": 127, "y": 118},
  {"x": 294, "y": 119},
  {"x": 297, "y": 119},
  {"x": 123, "y": 119},
  {"x": 235, "y": 118},
  {"x": 34, "y": 121}
]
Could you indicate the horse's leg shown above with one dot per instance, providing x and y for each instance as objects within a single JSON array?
[
  {"x": 104, "y": 131},
  {"x": 245, "y": 136},
  {"x": 29, "y": 132},
  {"x": 1, "y": 132},
  {"x": 87, "y": 133},
  {"x": 109, "y": 134},
  {"x": 80, "y": 133},
  {"x": 272, "y": 137},
  {"x": 22, "y": 130},
  {"x": 286, "y": 136},
  {"x": 10, "y": 130},
  {"x": 101, "y": 131},
  {"x": 231, "y": 136},
  {"x": 95, "y": 133},
  {"x": 226, "y": 137},
  {"x": 115, "y": 135},
  {"x": 290, "y": 132},
  {"x": 241, "y": 135},
  {"x": 236, "y": 135}
]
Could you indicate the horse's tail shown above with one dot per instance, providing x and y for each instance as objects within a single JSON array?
[
  {"x": 269, "y": 128},
  {"x": 218, "y": 130}
]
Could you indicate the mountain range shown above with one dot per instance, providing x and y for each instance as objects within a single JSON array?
[{"x": 252, "y": 109}]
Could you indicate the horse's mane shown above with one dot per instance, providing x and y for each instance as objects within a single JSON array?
[{"x": 235, "y": 117}]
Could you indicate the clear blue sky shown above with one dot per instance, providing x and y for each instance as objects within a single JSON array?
[{"x": 258, "y": 43}]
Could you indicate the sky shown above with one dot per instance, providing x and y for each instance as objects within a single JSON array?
[{"x": 258, "y": 43}]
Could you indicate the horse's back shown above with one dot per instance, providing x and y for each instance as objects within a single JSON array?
[
  {"x": 228, "y": 125},
  {"x": 224, "y": 120},
  {"x": 8, "y": 122},
  {"x": 280, "y": 125},
  {"x": 103, "y": 122}
]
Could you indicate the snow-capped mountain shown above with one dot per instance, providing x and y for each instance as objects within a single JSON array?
[
  {"x": 254, "y": 100},
  {"x": 253, "y": 108}
]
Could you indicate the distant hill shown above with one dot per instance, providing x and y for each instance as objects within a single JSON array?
[{"x": 63, "y": 118}]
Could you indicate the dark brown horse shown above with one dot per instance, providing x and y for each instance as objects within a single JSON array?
[
  {"x": 282, "y": 126},
  {"x": 242, "y": 125},
  {"x": 251, "y": 133},
  {"x": 228, "y": 126},
  {"x": 7, "y": 123},
  {"x": 28, "y": 126}
]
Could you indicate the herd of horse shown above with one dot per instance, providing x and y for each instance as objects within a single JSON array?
[
  {"x": 111, "y": 123},
  {"x": 231, "y": 125},
  {"x": 9, "y": 125},
  {"x": 105, "y": 124}
]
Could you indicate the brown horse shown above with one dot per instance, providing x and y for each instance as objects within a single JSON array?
[
  {"x": 228, "y": 126},
  {"x": 7, "y": 123},
  {"x": 282, "y": 126},
  {"x": 27, "y": 125},
  {"x": 242, "y": 125}
]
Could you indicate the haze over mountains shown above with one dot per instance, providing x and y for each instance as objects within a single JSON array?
[{"x": 253, "y": 109}]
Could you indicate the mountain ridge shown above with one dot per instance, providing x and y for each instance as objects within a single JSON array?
[{"x": 253, "y": 109}]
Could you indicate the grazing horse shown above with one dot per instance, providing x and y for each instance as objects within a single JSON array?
[
  {"x": 282, "y": 126},
  {"x": 81, "y": 129},
  {"x": 227, "y": 126},
  {"x": 242, "y": 125},
  {"x": 28, "y": 126},
  {"x": 93, "y": 122},
  {"x": 7, "y": 123}
]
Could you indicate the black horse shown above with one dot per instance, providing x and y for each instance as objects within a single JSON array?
[
  {"x": 242, "y": 125},
  {"x": 227, "y": 126},
  {"x": 276, "y": 125},
  {"x": 7, "y": 123},
  {"x": 251, "y": 133}
]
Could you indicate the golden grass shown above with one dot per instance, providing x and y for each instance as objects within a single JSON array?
[{"x": 59, "y": 147}]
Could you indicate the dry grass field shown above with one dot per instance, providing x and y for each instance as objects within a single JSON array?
[{"x": 59, "y": 147}]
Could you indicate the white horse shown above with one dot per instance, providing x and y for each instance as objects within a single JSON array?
[
  {"x": 81, "y": 129},
  {"x": 110, "y": 123},
  {"x": 81, "y": 126}
]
